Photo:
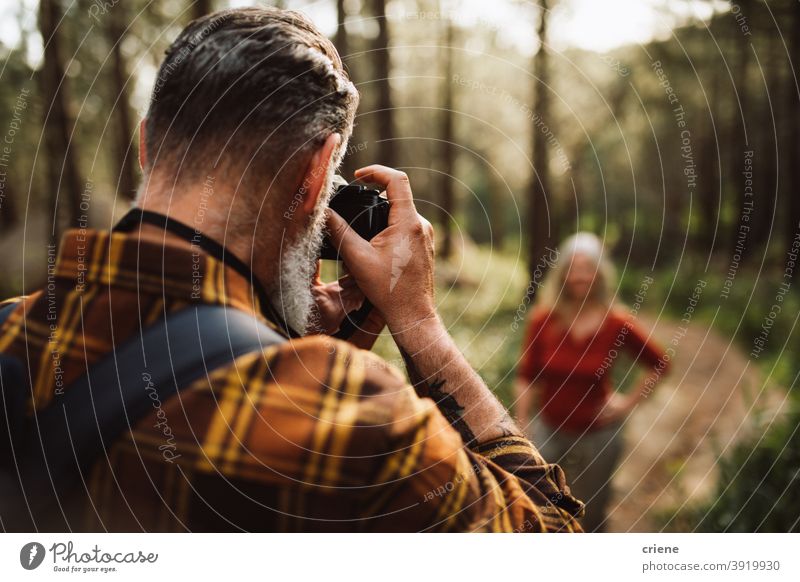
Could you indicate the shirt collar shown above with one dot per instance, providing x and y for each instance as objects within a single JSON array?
[{"x": 156, "y": 265}]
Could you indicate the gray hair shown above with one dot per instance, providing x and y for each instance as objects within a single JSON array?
[{"x": 255, "y": 90}]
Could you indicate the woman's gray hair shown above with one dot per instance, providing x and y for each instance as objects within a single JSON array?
[{"x": 586, "y": 244}]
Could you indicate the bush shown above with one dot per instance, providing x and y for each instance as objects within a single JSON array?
[{"x": 759, "y": 486}]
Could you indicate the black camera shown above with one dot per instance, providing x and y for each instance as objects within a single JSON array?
[{"x": 364, "y": 209}]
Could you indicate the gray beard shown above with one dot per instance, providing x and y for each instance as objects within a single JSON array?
[{"x": 298, "y": 264}]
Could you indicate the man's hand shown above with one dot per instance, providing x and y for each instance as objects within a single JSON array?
[
  {"x": 395, "y": 272},
  {"x": 337, "y": 299},
  {"x": 334, "y": 301},
  {"x": 395, "y": 268}
]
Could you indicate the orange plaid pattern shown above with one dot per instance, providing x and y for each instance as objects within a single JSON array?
[{"x": 311, "y": 434}]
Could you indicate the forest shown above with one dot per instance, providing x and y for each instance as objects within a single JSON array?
[{"x": 681, "y": 151}]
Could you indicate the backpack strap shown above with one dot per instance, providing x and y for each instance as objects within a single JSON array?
[
  {"x": 13, "y": 395},
  {"x": 5, "y": 311},
  {"x": 64, "y": 440}
]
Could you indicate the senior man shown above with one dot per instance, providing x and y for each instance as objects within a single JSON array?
[{"x": 249, "y": 118}]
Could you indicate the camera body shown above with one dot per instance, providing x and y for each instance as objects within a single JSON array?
[{"x": 364, "y": 209}]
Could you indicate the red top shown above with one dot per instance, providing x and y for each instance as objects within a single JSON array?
[{"x": 575, "y": 373}]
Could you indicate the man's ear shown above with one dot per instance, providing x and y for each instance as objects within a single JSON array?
[
  {"x": 316, "y": 171},
  {"x": 142, "y": 152}
]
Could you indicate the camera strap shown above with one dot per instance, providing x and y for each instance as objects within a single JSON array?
[
  {"x": 137, "y": 216},
  {"x": 353, "y": 320}
]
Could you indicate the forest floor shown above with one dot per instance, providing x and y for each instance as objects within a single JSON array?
[{"x": 713, "y": 397}]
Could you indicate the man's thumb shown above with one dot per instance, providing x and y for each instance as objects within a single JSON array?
[{"x": 346, "y": 241}]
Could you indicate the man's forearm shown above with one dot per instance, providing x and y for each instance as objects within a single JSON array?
[
  {"x": 406, "y": 301},
  {"x": 438, "y": 370}
]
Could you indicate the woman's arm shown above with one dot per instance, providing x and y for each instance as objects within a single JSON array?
[
  {"x": 526, "y": 396},
  {"x": 620, "y": 405},
  {"x": 526, "y": 390},
  {"x": 655, "y": 362}
]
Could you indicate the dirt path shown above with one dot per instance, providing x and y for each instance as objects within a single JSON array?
[{"x": 712, "y": 398}]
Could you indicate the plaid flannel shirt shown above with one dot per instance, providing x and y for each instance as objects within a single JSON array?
[{"x": 310, "y": 434}]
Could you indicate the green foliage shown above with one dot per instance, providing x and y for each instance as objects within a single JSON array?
[
  {"x": 758, "y": 488},
  {"x": 610, "y": 118},
  {"x": 759, "y": 484},
  {"x": 739, "y": 314},
  {"x": 759, "y": 478}
]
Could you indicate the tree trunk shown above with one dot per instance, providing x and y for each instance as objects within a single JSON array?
[
  {"x": 9, "y": 215},
  {"x": 340, "y": 39},
  {"x": 354, "y": 157},
  {"x": 447, "y": 151},
  {"x": 540, "y": 233},
  {"x": 384, "y": 114},
  {"x": 793, "y": 135},
  {"x": 63, "y": 176},
  {"x": 709, "y": 171},
  {"x": 201, "y": 8},
  {"x": 741, "y": 138},
  {"x": 768, "y": 129},
  {"x": 498, "y": 194},
  {"x": 573, "y": 199},
  {"x": 125, "y": 158}
]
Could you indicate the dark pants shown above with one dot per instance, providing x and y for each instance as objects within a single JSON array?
[{"x": 589, "y": 461}]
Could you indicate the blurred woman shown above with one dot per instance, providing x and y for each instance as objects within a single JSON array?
[{"x": 575, "y": 334}]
